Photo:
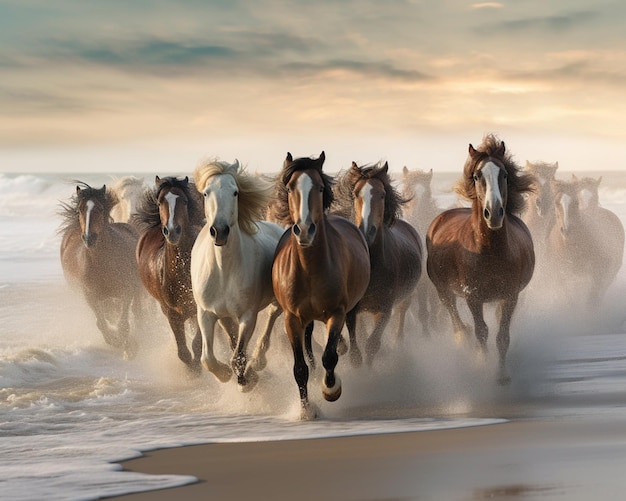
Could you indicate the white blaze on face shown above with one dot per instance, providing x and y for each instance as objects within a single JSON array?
[
  {"x": 366, "y": 197},
  {"x": 90, "y": 206},
  {"x": 305, "y": 185},
  {"x": 493, "y": 197},
  {"x": 566, "y": 201},
  {"x": 171, "y": 202}
]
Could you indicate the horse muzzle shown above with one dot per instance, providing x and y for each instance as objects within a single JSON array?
[
  {"x": 220, "y": 234},
  {"x": 494, "y": 218},
  {"x": 305, "y": 234},
  {"x": 172, "y": 235},
  {"x": 89, "y": 239}
]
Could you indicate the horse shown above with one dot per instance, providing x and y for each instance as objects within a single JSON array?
[
  {"x": 231, "y": 264},
  {"x": 420, "y": 210},
  {"x": 170, "y": 216},
  {"x": 587, "y": 241},
  {"x": 366, "y": 195},
  {"x": 321, "y": 270},
  {"x": 129, "y": 191},
  {"x": 98, "y": 258},
  {"x": 540, "y": 213},
  {"x": 484, "y": 253}
]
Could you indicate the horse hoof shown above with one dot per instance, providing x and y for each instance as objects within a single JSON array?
[
  {"x": 248, "y": 382},
  {"x": 309, "y": 412},
  {"x": 221, "y": 371},
  {"x": 333, "y": 393}
]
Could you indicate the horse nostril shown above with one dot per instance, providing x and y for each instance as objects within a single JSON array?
[
  {"x": 165, "y": 231},
  {"x": 501, "y": 212},
  {"x": 213, "y": 231},
  {"x": 296, "y": 230},
  {"x": 487, "y": 214},
  {"x": 178, "y": 230},
  {"x": 312, "y": 229}
]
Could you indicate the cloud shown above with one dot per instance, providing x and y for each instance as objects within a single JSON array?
[
  {"x": 548, "y": 23},
  {"x": 487, "y": 5}
]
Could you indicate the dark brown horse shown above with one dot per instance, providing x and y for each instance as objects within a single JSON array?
[
  {"x": 484, "y": 253},
  {"x": 366, "y": 195},
  {"x": 321, "y": 269},
  {"x": 98, "y": 257},
  {"x": 170, "y": 216}
]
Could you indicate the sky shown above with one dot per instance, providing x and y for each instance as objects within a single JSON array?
[{"x": 155, "y": 86}]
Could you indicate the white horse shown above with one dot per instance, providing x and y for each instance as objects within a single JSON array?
[
  {"x": 129, "y": 191},
  {"x": 231, "y": 265}
]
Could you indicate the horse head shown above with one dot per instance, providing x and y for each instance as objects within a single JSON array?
[
  {"x": 173, "y": 202},
  {"x": 567, "y": 205},
  {"x": 371, "y": 199},
  {"x": 93, "y": 213},
  {"x": 490, "y": 184},
  {"x": 307, "y": 194},
  {"x": 588, "y": 192}
]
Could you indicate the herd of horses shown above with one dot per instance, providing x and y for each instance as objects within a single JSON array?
[{"x": 217, "y": 250}]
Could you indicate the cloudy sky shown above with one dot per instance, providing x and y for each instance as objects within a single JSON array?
[{"x": 155, "y": 86}]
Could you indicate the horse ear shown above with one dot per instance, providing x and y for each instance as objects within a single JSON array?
[
  {"x": 385, "y": 168},
  {"x": 501, "y": 148},
  {"x": 472, "y": 152},
  {"x": 354, "y": 165},
  {"x": 322, "y": 158},
  {"x": 598, "y": 181},
  {"x": 405, "y": 171},
  {"x": 104, "y": 188},
  {"x": 430, "y": 173},
  {"x": 157, "y": 180},
  {"x": 186, "y": 180},
  {"x": 77, "y": 190},
  {"x": 288, "y": 160}
]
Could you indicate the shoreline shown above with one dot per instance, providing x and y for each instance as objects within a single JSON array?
[{"x": 576, "y": 457}]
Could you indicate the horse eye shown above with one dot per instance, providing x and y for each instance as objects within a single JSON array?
[
  {"x": 321, "y": 189},
  {"x": 205, "y": 194},
  {"x": 236, "y": 193}
]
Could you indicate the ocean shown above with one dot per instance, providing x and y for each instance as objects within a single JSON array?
[{"x": 71, "y": 407}]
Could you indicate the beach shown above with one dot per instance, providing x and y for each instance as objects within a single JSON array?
[{"x": 572, "y": 458}]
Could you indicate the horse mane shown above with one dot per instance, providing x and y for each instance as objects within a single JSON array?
[
  {"x": 69, "y": 211},
  {"x": 147, "y": 215},
  {"x": 518, "y": 182},
  {"x": 291, "y": 166},
  {"x": 254, "y": 192},
  {"x": 345, "y": 190}
]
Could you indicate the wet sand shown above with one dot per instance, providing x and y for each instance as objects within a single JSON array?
[{"x": 573, "y": 456}]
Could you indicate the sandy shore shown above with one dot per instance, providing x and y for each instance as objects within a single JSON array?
[{"x": 571, "y": 457}]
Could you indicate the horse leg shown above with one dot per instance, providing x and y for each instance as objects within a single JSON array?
[
  {"x": 356, "y": 359},
  {"x": 480, "y": 326},
  {"x": 308, "y": 344},
  {"x": 259, "y": 360},
  {"x": 422, "y": 308},
  {"x": 207, "y": 321},
  {"x": 507, "y": 307},
  {"x": 295, "y": 332},
  {"x": 128, "y": 342},
  {"x": 331, "y": 385},
  {"x": 232, "y": 329},
  {"x": 246, "y": 379},
  {"x": 381, "y": 319},
  {"x": 401, "y": 310},
  {"x": 110, "y": 336},
  {"x": 177, "y": 324},
  {"x": 448, "y": 299}
]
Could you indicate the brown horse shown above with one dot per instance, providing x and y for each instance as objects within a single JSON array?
[
  {"x": 170, "y": 216},
  {"x": 484, "y": 253},
  {"x": 587, "y": 241},
  {"x": 366, "y": 195},
  {"x": 98, "y": 257},
  {"x": 321, "y": 269}
]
